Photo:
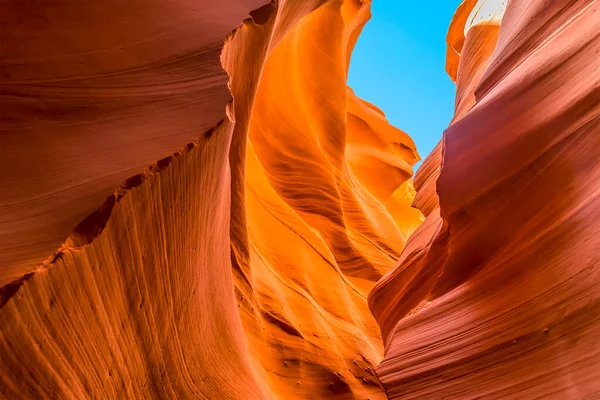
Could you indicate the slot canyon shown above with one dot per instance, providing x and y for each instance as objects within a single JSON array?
[{"x": 194, "y": 204}]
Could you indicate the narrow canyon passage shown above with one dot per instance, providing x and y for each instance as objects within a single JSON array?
[{"x": 260, "y": 234}]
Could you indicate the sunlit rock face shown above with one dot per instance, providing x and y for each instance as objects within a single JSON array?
[
  {"x": 497, "y": 294},
  {"x": 195, "y": 205},
  {"x": 235, "y": 266},
  {"x": 322, "y": 225}
]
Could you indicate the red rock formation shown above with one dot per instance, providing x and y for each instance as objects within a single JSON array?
[
  {"x": 91, "y": 94},
  {"x": 502, "y": 278},
  {"x": 238, "y": 267},
  {"x": 285, "y": 192}
]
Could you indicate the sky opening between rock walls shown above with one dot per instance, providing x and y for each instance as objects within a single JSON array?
[{"x": 398, "y": 64}]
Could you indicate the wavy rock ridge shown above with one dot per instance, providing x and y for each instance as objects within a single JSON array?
[
  {"x": 496, "y": 294},
  {"x": 237, "y": 267}
]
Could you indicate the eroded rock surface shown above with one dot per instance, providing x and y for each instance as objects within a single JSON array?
[
  {"x": 496, "y": 295},
  {"x": 194, "y": 208},
  {"x": 235, "y": 268}
]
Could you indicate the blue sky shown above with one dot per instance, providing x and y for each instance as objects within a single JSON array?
[{"x": 398, "y": 64}]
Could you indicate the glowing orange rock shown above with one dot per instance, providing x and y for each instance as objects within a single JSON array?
[
  {"x": 503, "y": 276},
  {"x": 237, "y": 268}
]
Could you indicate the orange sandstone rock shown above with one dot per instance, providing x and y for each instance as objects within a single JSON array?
[
  {"x": 237, "y": 267},
  {"x": 317, "y": 233},
  {"x": 93, "y": 92},
  {"x": 502, "y": 278}
]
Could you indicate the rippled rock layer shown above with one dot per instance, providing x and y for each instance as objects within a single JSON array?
[
  {"x": 238, "y": 264},
  {"x": 196, "y": 206},
  {"x": 497, "y": 294}
]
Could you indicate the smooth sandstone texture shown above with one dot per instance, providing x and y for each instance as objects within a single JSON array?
[
  {"x": 93, "y": 92},
  {"x": 319, "y": 235},
  {"x": 236, "y": 268},
  {"x": 497, "y": 294}
]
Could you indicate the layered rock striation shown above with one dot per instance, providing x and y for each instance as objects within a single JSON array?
[
  {"x": 235, "y": 266},
  {"x": 194, "y": 208},
  {"x": 496, "y": 294}
]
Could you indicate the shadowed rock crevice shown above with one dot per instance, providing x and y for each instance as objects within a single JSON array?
[{"x": 511, "y": 198}]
